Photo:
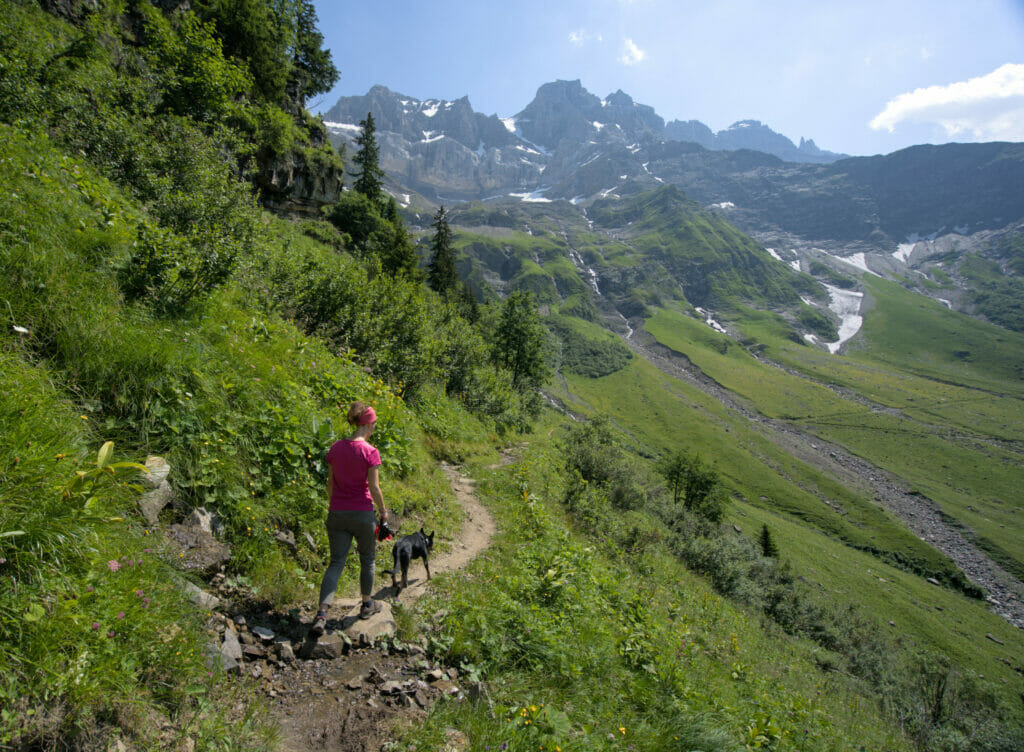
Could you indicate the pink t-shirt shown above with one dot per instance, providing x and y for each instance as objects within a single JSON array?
[{"x": 350, "y": 460}]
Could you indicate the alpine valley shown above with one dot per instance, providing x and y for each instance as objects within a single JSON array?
[
  {"x": 852, "y": 324},
  {"x": 718, "y": 438}
]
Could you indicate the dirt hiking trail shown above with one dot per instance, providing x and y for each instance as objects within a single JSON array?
[{"x": 353, "y": 688}]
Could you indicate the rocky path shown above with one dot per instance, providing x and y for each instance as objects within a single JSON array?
[
  {"x": 920, "y": 514},
  {"x": 354, "y": 687}
]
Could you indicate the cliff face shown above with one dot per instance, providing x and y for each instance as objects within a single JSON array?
[{"x": 300, "y": 182}]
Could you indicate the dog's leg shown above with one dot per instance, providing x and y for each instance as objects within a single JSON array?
[{"x": 426, "y": 564}]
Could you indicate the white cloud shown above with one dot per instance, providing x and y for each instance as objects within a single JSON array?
[
  {"x": 579, "y": 37},
  {"x": 631, "y": 54},
  {"x": 987, "y": 108}
]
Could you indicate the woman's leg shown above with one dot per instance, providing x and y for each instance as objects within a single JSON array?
[
  {"x": 364, "y": 529},
  {"x": 340, "y": 538}
]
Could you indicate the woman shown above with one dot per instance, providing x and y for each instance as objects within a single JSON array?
[{"x": 354, "y": 488}]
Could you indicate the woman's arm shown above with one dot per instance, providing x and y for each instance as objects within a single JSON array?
[{"x": 373, "y": 481}]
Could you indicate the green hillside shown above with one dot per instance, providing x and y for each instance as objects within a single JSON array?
[{"x": 160, "y": 298}]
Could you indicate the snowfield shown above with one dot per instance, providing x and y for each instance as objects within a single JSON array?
[{"x": 846, "y": 305}]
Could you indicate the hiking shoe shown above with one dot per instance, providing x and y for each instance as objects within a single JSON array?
[
  {"x": 369, "y": 609},
  {"x": 319, "y": 624}
]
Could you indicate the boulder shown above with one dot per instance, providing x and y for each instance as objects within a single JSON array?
[
  {"x": 264, "y": 634},
  {"x": 200, "y": 597},
  {"x": 367, "y": 631},
  {"x": 328, "y": 646},
  {"x": 158, "y": 469},
  {"x": 231, "y": 648},
  {"x": 285, "y": 652},
  {"x": 199, "y": 549},
  {"x": 160, "y": 493}
]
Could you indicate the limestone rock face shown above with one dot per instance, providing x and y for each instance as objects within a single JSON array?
[{"x": 291, "y": 185}]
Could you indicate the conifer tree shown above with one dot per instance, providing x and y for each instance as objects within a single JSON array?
[
  {"x": 399, "y": 257},
  {"x": 768, "y": 547},
  {"x": 442, "y": 276},
  {"x": 371, "y": 176},
  {"x": 469, "y": 309},
  {"x": 519, "y": 342}
]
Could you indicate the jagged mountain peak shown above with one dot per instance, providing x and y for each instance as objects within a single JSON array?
[{"x": 619, "y": 99}]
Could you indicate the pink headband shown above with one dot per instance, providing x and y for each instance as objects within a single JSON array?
[{"x": 368, "y": 417}]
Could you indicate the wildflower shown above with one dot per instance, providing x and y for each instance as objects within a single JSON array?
[
  {"x": 113, "y": 565},
  {"x": 61, "y": 456},
  {"x": 110, "y": 634},
  {"x": 622, "y": 730},
  {"x": 84, "y": 417},
  {"x": 145, "y": 602},
  {"x": 120, "y": 614},
  {"x": 95, "y": 626},
  {"x": 89, "y": 589},
  {"x": 139, "y": 593}
]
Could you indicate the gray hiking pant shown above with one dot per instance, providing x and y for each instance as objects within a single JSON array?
[{"x": 342, "y": 527}]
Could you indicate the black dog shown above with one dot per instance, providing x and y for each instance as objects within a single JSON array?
[{"x": 407, "y": 548}]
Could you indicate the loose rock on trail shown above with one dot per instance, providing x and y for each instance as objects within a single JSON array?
[{"x": 352, "y": 688}]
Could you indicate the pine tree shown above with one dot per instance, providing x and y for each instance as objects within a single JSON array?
[
  {"x": 313, "y": 72},
  {"x": 442, "y": 276},
  {"x": 768, "y": 547},
  {"x": 399, "y": 258},
  {"x": 371, "y": 176},
  {"x": 469, "y": 309},
  {"x": 519, "y": 342}
]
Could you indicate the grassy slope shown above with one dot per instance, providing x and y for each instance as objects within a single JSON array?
[
  {"x": 664, "y": 414},
  {"x": 606, "y": 650},
  {"x": 951, "y": 427}
]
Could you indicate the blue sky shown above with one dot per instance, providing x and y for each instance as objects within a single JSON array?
[{"x": 859, "y": 76}]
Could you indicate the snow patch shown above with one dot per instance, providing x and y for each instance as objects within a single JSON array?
[
  {"x": 806, "y": 301},
  {"x": 432, "y": 139},
  {"x": 536, "y": 196},
  {"x": 608, "y": 192},
  {"x": 947, "y": 303},
  {"x": 903, "y": 251},
  {"x": 623, "y": 177},
  {"x": 510, "y": 124},
  {"x": 858, "y": 260},
  {"x": 577, "y": 200},
  {"x": 724, "y": 205},
  {"x": 596, "y": 156},
  {"x": 597, "y": 125},
  {"x": 431, "y": 108},
  {"x": 773, "y": 254},
  {"x": 795, "y": 264},
  {"x": 710, "y": 320},
  {"x": 846, "y": 305},
  {"x": 342, "y": 127}
]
